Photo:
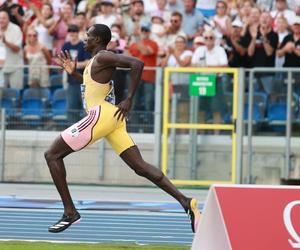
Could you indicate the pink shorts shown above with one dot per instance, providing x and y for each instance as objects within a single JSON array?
[
  {"x": 100, "y": 122},
  {"x": 80, "y": 134}
]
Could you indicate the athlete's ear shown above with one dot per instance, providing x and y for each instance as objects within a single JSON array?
[{"x": 97, "y": 39}]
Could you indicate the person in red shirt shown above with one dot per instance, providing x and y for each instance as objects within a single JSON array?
[{"x": 146, "y": 50}]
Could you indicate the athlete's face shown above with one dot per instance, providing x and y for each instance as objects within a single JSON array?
[{"x": 90, "y": 41}]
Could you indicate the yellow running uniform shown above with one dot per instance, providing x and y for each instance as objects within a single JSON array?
[{"x": 100, "y": 121}]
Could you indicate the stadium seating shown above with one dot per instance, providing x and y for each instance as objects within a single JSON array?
[
  {"x": 34, "y": 104},
  {"x": 56, "y": 82},
  {"x": 259, "y": 107},
  {"x": 59, "y": 105},
  {"x": 10, "y": 100}
]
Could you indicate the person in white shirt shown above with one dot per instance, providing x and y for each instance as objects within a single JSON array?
[
  {"x": 283, "y": 10},
  {"x": 12, "y": 39},
  {"x": 211, "y": 55}
]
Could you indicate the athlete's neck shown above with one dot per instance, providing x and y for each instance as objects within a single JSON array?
[{"x": 97, "y": 49}]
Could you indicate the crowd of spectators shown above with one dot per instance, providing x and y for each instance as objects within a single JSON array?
[{"x": 179, "y": 33}]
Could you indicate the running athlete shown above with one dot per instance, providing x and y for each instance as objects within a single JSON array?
[{"x": 104, "y": 120}]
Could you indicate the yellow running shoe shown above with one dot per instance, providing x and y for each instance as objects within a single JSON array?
[{"x": 193, "y": 213}]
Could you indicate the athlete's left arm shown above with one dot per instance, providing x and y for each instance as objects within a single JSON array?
[{"x": 136, "y": 69}]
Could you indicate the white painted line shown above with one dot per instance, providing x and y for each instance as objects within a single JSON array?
[
  {"x": 103, "y": 240},
  {"x": 106, "y": 229}
]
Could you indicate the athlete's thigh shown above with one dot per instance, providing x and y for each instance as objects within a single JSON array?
[
  {"x": 119, "y": 139},
  {"x": 80, "y": 134}
]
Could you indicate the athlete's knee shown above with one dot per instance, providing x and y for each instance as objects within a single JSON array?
[{"x": 50, "y": 155}]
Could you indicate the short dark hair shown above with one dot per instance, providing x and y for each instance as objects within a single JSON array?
[
  {"x": 177, "y": 13},
  {"x": 73, "y": 28},
  {"x": 103, "y": 32}
]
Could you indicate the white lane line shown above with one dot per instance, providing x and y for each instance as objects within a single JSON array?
[
  {"x": 93, "y": 227},
  {"x": 95, "y": 233},
  {"x": 91, "y": 211},
  {"x": 106, "y": 229},
  {"x": 87, "y": 218},
  {"x": 152, "y": 215},
  {"x": 79, "y": 240}
]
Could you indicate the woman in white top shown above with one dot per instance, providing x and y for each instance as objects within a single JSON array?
[
  {"x": 37, "y": 57},
  {"x": 221, "y": 21},
  {"x": 281, "y": 27},
  {"x": 179, "y": 56},
  {"x": 42, "y": 24}
]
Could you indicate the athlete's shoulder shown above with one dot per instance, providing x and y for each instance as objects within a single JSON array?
[{"x": 105, "y": 56}]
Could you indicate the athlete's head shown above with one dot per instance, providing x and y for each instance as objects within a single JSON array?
[{"x": 98, "y": 35}]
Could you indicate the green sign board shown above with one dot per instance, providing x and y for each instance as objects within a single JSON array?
[{"x": 202, "y": 85}]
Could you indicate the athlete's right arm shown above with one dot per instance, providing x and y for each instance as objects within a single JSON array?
[{"x": 65, "y": 61}]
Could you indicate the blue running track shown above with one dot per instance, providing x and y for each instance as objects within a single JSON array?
[{"x": 138, "y": 227}]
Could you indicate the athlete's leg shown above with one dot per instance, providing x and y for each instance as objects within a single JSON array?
[
  {"x": 54, "y": 157},
  {"x": 134, "y": 160}
]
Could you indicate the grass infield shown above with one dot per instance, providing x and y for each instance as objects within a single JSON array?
[{"x": 20, "y": 245}]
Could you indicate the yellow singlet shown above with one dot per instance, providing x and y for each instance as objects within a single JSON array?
[{"x": 100, "y": 121}]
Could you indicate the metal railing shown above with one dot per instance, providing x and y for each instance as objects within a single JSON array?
[
  {"x": 288, "y": 122},
  {"x": 8, "y": 123}
]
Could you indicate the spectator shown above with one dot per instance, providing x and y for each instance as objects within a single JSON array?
[
  {"x": 134, "y": 18},
  {"x": 150, "y": 5},
  {"x": 282, "y": 31},
  {"x": 245, "y": 11},
  {"x": 120, "y": 75},
  {"x": 81, "y": 22},
  {"x": 37, "y": 57},
  {"x": 262, "y": 43},
  {"x": 162, "y": 9},
  {"x": 12, "y": 39},
  {"x": 106, "y": 14},
  {"x": 221, "y": 21},
  {"x": 290, "y": 46},
  {"x": 192, "y": 21},
  {"x": 298, "y": 8},
  {"x": 175, "y": 5},
  {"x": 253, "y": 20},
  {"x": 15, "y": 12},
  {"x": 235, "y": 45},
  {"x": 118, "y": 29},
  {"x": 60, "y": 28},
  {"x": 2, "y": 60},
  {"x": 211, "y": 55},
  {"x": 58, "y": 5},
  {"x": 179, "y": 56},
  {"x": 42, "y": 24},
  {"x": 158, "y": 31},
  {"x": 197, "y": 42},
  {"x": 207, "y": 8},
  {"x": 282, "y": 10},
  {"x": 146, "y": 50},
  {"x": 75, "y": 48},
  {"x": 174, "y": 29}
]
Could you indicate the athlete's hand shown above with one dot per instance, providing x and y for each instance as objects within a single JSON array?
[
  {"x": 65, "y": 61},
  {"x": 123, "y": 108}
]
